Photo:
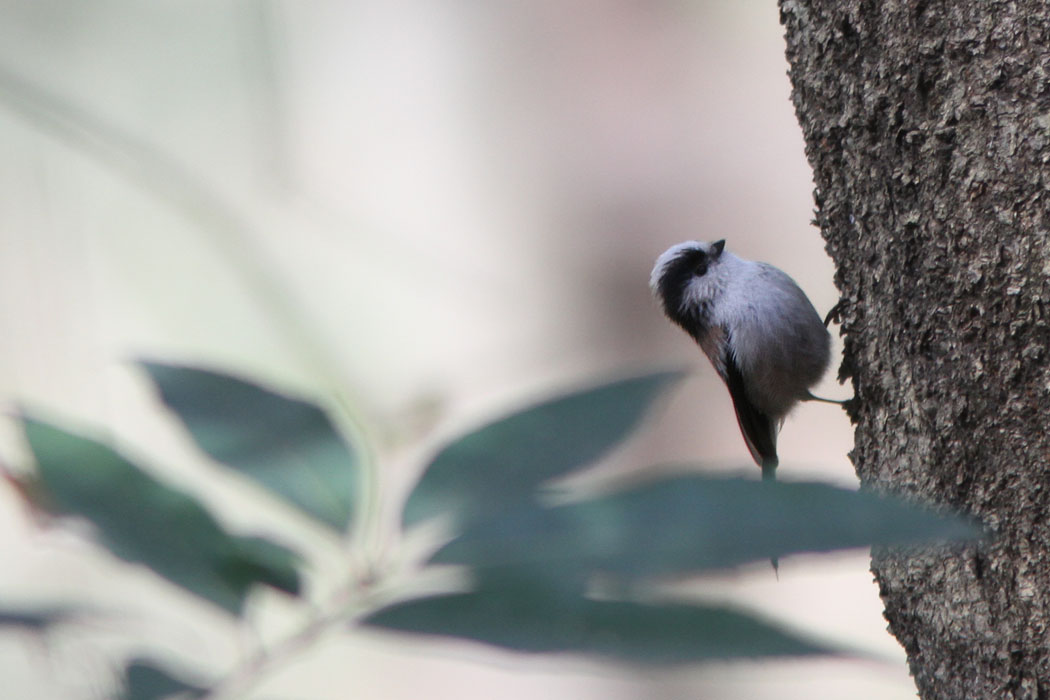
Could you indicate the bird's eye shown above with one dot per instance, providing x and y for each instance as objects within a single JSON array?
[{"x": 701, "y": 269}]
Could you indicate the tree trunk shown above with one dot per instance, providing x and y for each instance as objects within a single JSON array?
[{"x": 927, "y": 124}]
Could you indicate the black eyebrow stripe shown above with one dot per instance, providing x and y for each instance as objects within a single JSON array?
[{"x": 675, "y": 278}]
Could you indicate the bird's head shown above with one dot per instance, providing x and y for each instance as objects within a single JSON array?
[{"x": 686, "y": 279}]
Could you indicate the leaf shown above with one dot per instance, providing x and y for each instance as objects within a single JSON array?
[
  {"x": 259, "y": 560},
  {"x": 145, "y": 680},
  {"x": 144, "y": 521},
  {"x": 528, "y": 618},
  {"x": 503, "y": 462},
  {"x": 286, "y": 445},
  {"x": 693, "y": 523}
]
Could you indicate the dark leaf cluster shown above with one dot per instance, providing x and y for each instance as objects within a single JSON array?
[{"x": 552, "y": 569}]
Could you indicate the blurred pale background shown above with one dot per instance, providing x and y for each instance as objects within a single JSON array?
[{"x": 447, "y": 208}]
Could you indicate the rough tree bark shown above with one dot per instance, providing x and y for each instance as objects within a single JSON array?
[{"x": 927, "y": 124}]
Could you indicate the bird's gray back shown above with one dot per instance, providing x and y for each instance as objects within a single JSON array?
[{"x": 778, "y": 338}]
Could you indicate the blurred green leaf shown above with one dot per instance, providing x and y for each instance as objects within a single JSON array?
[
  {"x": 144, "y": 521},
  {"x": 259, "y": 560},
  {"x": 145, "y": 680},
  {"x": 288, "y": 446},
  {"x": 503, "y": 462},
  {"x": 529, "y": 618},
  {"x": 694, "y": 523}
]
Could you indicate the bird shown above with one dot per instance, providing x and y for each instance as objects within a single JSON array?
[{"x": 760, "y": 331}]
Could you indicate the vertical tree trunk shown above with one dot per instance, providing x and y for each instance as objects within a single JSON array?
[{"x": 927, "y": 124}]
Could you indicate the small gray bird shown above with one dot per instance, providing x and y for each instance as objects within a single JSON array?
[{"x": 761, "y": 333}]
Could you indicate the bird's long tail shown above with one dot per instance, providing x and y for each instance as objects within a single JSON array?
[
  {"x": 769, "y": 473},
  {"x": 769, "y": 468}
]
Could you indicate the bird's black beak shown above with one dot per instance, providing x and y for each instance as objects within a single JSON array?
[{"x": 716, "y": 248}]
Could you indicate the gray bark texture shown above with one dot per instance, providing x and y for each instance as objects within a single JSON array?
[{"x": 927, "y": 124}]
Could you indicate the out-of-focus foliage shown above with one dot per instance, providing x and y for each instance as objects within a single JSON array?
[
  {"x": 523, "y": 615},
  {"x": 287, "y": 445},
  {"x": 146, "y": 680},
  {"x": 502, "y": 463},
  {"x": 578, "y": 576},
  {"x": 689, "y": 524},
  {"x": 144, "y": 521}
]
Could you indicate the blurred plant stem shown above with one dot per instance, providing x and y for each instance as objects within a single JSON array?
[
  {"x": 348, "y": 603},
  {"x": 266, "y": 660}
]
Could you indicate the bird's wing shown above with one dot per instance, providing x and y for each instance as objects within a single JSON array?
[{"x": 759, "y": 430}]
